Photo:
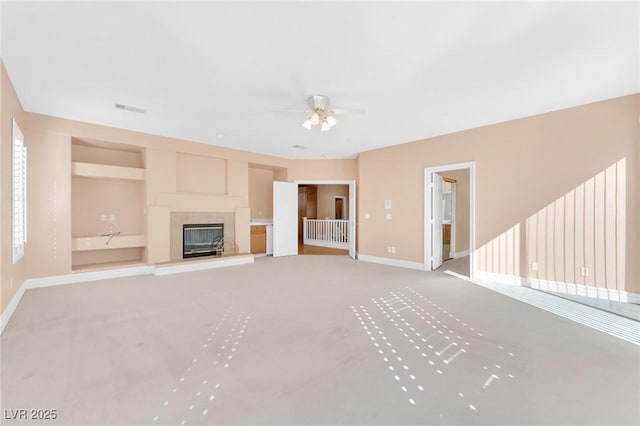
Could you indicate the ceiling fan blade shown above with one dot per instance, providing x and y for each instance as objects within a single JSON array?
[
  {"x": 349, "y": 110},
  {"x": 298, "y": 111}
]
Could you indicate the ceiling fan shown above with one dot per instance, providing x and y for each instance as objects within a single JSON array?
[{"x": 321, "y": 113}]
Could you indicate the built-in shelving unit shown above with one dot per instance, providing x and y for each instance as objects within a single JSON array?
[
  {"x": 102, "y": 171},
  {"x": 108, "y": 221},
  {"x": 107, "y": 242}
]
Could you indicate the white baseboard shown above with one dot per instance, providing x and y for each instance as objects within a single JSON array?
[
  {"x": 606, "y": 322},
  {"x": 459, "y": 254},
  {"x": 106, "y": 274},
  {"x": 327, "y": 244},
  {"x": 391, "y": 262},
  {"x": 201, "y": 266},
  {"x": 498, "y": 278},
  {"x": 89, "y": 276},
  {"x": 560, "y": 287},
  {"x": 11, "y": 307},
  {"x": 583, "y": 290}
]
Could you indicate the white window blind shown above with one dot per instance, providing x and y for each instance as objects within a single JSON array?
[{"x": 19, "y": 193}]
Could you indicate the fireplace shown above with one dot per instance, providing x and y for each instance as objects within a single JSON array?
[{"x": 202, "y": 240}]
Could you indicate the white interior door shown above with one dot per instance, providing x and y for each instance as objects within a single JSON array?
[
  {"x": 352, "y": 219},
  {"x": 285, "y": 219},
  {"x": 436, "y": 220}
]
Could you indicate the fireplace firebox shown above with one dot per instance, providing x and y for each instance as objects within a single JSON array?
[{"x": 202, "y": 240}]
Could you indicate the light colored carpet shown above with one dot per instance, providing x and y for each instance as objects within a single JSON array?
[
  {"x": 459, "y": 265},
  {"x": 308, "y": 340}
]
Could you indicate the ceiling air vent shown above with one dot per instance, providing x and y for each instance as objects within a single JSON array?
[
  {"x": 299, "y": 147},
  {"x": 130, "y": 108}
]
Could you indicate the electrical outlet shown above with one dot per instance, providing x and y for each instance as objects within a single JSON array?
[
  {"x": 387, "y": 216},
  {"x": 388, "y": 249},
  {"x": 367, "y": 215},
  {"x": 103, "y": 217},
  {"x": 393, "y": 250},
  {"x": 112, "y": 218},
  {"x": 585, "y": 271},
  {"x": 534, "y": 266}
]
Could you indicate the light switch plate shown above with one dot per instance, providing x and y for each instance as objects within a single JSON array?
[
  {"x": 387, "y": 204},
  {"x": 367, "y": 216},
  {"x": 387, "y": 216}
]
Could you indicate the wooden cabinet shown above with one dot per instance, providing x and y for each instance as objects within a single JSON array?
[{"x": 258, "y": 239}]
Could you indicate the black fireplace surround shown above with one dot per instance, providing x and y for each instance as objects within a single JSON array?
[{"x": 204, "y": 239}]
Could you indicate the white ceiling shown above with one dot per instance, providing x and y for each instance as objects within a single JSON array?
[{"x": 218, "y": 73}]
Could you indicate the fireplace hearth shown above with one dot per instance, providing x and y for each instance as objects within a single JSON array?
[{"x": 206, "y": 239}]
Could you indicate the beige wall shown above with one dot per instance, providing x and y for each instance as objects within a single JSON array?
[
  {"x": 199, "y": 173},
  {"x": 174, "y": 169},
  {"x": 461, "y": 177},
  {"x": 261, "y": 192},
  {"x": 326, "y": 202},
  {"x": 322, "y": 170},
  {"x": 12, "y": 275},
  {"x": 48, "y": 247},
  {"x": 522, "y": 167}
]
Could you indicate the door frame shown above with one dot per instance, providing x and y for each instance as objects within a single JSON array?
[
  {"x": 452, "y": 243},
  {"x": 344, "y": 204},
  {"x": 428, "y": 171},
  {"x": 352, "y": 208}
]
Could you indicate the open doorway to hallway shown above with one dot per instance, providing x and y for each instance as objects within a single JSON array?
[
  {"x": 322, "y": 223},
  {"x": 449, "y": 213}
]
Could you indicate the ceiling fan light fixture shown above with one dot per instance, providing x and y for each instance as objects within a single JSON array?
[{"x": 321, "y": 114}]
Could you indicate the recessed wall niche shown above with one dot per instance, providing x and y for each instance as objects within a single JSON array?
[{"x": 107, "y": 204}]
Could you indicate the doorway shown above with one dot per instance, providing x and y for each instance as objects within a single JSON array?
[
  {"x": 339, "y": 208},
  {"x": 324, "y": 231},
  {"x": 450, "y": 218}
]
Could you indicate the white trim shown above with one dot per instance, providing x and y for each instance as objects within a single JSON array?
[
  {"x": 88, "y": 276},
  {"x": 327, "y": 244},
  {"x": 569, "y": 289},
  {"x": 352, "y": 208},
  {"x": 201, "y": 266},
  {"x": 322, "y": 182},
  {"x": 459, "y": 254},
  {"x": 453, "y": 221},
  {"x": 493, "y": 277},
  {"x": 18, "y": 192},
  {"x": 105, "y": 274},
  {"x": 606, "y": 322},
  {"x": 427, "y": 211},
  {"x": 391, "y": 262},
  {"x": 11, "y": 307},
  {"x": 572, "y": 289}
]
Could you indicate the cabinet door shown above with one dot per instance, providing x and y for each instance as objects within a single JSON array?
[{"x": 258, "y": 239}]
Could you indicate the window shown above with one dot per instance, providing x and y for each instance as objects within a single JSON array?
[{"x": 19, "y": 193}]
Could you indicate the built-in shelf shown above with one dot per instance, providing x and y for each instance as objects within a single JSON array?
[
  {"x": 100, "y": 243},
  {"x": 102, "y": 171}
]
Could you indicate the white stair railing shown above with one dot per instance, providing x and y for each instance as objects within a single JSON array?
[{"x": 331, "y": 233}]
